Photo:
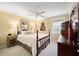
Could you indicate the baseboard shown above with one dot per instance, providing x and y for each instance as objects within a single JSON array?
[{"x": 3, "y": 46}]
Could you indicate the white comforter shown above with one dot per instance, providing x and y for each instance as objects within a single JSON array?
[{"x": 30, "y": 40}]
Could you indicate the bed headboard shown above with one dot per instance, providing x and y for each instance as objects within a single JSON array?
[{"x": 25, "y": 25}]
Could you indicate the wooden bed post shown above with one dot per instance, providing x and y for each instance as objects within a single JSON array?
[
  {"x": 37, "y": 43},
  {"x": 49, "y": 35}
]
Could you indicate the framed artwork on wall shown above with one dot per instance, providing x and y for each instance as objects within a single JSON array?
[
  {"x": 42, "y": 27},
  {"x": 24, "y": 24}
]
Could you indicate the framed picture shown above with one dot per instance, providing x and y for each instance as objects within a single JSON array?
[
  {"x": 42, "y": 27},
  {"x": 24, "y": 24}
]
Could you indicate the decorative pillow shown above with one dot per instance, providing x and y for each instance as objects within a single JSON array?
[
  {"x": 23, "y": 32},
  {"x": 29, "y": 32}
]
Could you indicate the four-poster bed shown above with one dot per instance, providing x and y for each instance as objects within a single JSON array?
[{"x": 35, "y": 42}]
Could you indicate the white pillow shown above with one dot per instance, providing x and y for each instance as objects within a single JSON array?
[
  {"x": 23, "y": 32},
  {"x": 29, "y": 32}
]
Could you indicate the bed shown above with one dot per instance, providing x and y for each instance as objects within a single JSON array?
[{"x": 34, "y": 42}]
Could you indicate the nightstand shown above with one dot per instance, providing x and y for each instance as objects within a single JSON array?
[{"x": 11, "y": 40}]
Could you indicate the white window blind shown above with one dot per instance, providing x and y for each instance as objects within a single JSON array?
[{"x": 56, "y": 27}]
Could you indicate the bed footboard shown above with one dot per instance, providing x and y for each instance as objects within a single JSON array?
[{"x": 42, "y": 43}]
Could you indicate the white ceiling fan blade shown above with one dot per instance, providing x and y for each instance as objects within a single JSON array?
[
  {"x": 41, "y": 15},
  {"x": 33, "y": 11},
  {"x": 42, "y": 12}
]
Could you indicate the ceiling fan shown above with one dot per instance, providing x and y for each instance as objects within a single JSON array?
[{"x": 37, "y": 13}]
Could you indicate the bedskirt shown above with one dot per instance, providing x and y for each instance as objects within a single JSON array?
[{"x": 25, "y": 46}]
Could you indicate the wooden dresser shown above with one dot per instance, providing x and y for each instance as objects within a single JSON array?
[
  {"x": 11, "y": 40},
  {"x": 66, "y": 50}
]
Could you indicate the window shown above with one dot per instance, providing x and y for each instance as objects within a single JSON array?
[{"x": 56, "y": 27}]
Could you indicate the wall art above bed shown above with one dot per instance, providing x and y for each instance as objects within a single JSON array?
[{"x": 24, "y": 24}]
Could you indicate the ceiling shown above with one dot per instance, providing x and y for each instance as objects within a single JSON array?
[{"x": 24, "y": 8}]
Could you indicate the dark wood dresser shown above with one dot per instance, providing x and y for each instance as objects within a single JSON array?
[{"x": 66, "y": 50}]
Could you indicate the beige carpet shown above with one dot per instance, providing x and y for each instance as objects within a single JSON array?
[
  {"x": 50, "y": 50},
  {"x": 14, "y": 51}
]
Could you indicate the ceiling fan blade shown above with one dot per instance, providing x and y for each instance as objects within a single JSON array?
[
  {"x": 41, "y": 15},
  {"x": 42, "y": 12},
  {"x": 33, "y": 11}
]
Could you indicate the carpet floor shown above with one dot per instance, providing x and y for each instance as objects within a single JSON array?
[{"x": 50, "y": 50}]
